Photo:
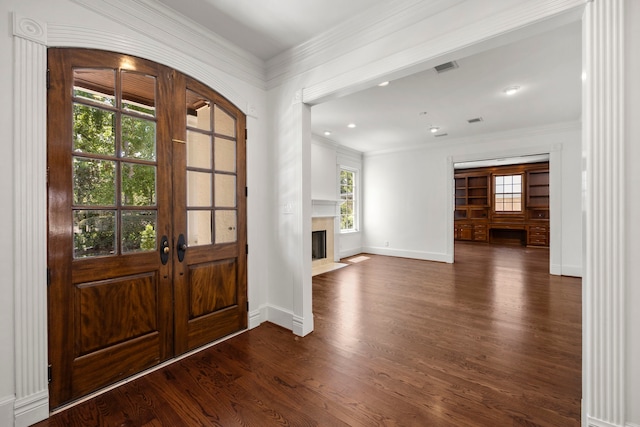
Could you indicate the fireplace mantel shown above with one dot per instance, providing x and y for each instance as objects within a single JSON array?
[{"x": 324, "y": 208}]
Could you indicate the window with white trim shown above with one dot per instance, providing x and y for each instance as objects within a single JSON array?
[
  {"x": 348, "y": 200},
  {"x": 508, "y": 193}
]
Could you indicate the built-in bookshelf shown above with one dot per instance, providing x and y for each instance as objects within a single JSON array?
[{"x": 474, "y": 214}]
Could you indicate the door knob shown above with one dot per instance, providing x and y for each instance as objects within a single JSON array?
[{"x": 164, "y": 250}]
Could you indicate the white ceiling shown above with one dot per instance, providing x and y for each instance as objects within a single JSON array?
[
  {"x": 546, "y": 66},
  {"x": 269, "y": 27}
]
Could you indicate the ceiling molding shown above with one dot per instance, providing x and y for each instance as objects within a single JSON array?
[
  {"x": 159, "y": 22},
  {"x": 410, "y": 60},
  {"x": 372, "y": 24},
  {"x": 518, "y": 134}
]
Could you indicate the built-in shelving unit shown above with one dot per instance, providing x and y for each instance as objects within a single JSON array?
[{"x": 476, "y": 219}]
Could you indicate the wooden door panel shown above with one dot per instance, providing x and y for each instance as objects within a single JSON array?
[
  {"x": 215, "y": 325},
  {"x": 114, "y": 311},
  {"x": 109, "y": 365},
  {"x": 212, "y": 287}
]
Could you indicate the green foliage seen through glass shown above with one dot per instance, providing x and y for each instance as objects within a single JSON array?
[{"x": 347, "y": 207}]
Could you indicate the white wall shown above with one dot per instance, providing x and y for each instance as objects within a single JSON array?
[
  {"x": 408, "y": 201},
  {"x": 632, "y": 22},
  {"x": 326, "y": 159},
  {"x": 323, "y": 169}
]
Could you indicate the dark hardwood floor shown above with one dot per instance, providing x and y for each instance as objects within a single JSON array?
[{"x": 492, "y": 340}]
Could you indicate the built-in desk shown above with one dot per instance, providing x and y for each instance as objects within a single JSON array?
[{"x": 508, "y": 233}]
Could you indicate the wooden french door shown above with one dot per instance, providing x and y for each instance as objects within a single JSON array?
[{"x": 146, "y": 218}]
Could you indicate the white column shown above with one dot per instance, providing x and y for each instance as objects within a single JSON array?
[
  {"x": 30, "y": 221},
  {"x": 302, "y": 298},
  {"x": 604, "y": 281}
]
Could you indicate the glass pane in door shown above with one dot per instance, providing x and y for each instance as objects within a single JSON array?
[
  {"x": 94, "y": 233},
  {"x": 138, "y": 231},
  {"x": 225, "y": 155},
  {"x": 225, "y": 191},
  {"x": 226, "y": 223},
  {"x": 95, "y": 85},
  {"x": 138, "y": 93},
  {"x": 225, "y": 124},
  {"x": 198, "y": 228},
  {"x": 198, "y": 150}
]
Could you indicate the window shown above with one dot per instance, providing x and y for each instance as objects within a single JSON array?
[
  {"x": 508, "y": 193},
  {"x": 348, "y": 200}
]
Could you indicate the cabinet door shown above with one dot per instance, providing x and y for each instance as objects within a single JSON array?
[{"x": 466, "y": 232}]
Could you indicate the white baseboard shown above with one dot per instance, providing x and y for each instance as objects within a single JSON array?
[
  {"x": 31, "y": 409},
  {"x": 6, "y": 410},
  {"x": 572, "y": 270},
  {"x": 427, "y": 256},
  {"x": 279, "y": 316},
  {"x": 300, "y": 328},
  {"x": 594, "y": 422},
  {"x": 350, "y": 252},
  {"x": 256, "y": 317}
]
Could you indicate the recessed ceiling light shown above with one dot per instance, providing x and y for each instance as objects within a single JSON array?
[
  {"x": 351, "y": 125},
  {"x": 383, "y": 84},
  {"x": 511, "y": 90},
  {"x": 434, "y": 129},
  {"x": 327, "y": 133}
]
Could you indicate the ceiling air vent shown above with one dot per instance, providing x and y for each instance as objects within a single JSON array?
[
  {"x": 475, "y": 120},
  {"x": 441, "y": 134},
  {"x": 447, "y": 66}
]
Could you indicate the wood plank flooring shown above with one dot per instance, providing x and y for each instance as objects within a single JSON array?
[{"x": 492, "y": 340}]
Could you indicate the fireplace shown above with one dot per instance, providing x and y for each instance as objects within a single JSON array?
[
  {"x": 322, "y": 241},
  {"x": 319, "y": 244}
]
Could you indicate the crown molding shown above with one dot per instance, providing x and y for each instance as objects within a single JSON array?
[
  {"x": 324, "y": 141},
  {"x": 553, "y": 129},
  {"x": 371, "y": 25},
  {"x": 159, "y": 22}
]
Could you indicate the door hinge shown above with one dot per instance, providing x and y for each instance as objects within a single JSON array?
[
  {"x": 246, "y": 191},
  {"x": 246, "y": 134},
  {"x": 48, "y": 276},
  {"x": 49, "y": 373},
  {"x": 247, "y": 248},
  {"x": 48, "y": 78},
  {"x": 247, "y": 305}
]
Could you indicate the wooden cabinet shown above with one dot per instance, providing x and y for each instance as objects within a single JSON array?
[
  {"x": 480, "y": 232},
  {"x": 471, "y": 211},
  {"x": 469, "y": 231},
  {"x": 475, "y": 219},
  {"x": 538, "y": 235}
]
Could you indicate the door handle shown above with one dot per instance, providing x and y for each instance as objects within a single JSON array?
[
  {"x": 164, "y": 250},
  {"x": 182, "y": 247}
]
